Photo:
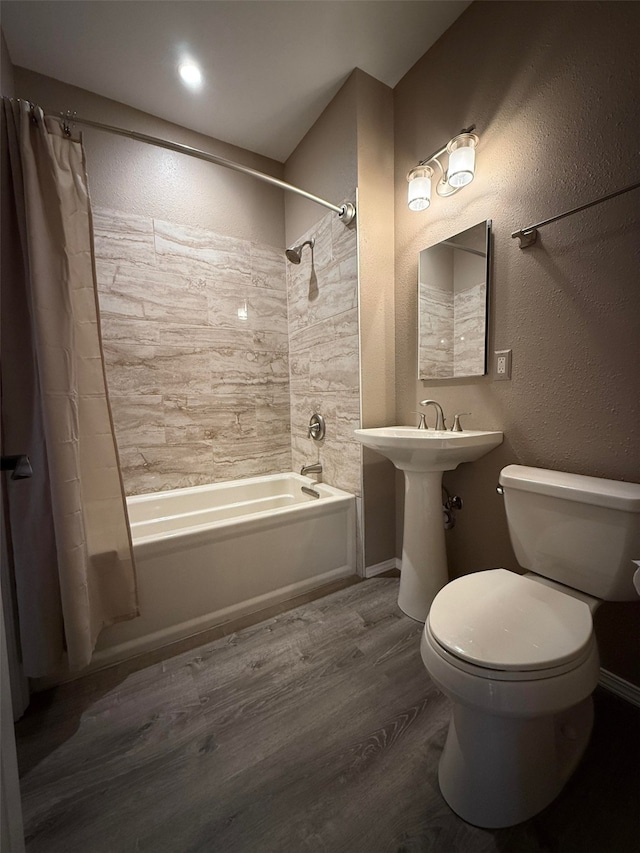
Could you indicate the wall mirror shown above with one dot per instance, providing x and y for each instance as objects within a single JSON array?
[{"x": 453, "y": 293}]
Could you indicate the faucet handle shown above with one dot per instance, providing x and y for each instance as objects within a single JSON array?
[
  {"x": 457, "y": 426},
  {"x": 423, "y": 420}
]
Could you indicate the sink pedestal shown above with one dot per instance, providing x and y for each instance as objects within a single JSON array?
[
  {"x": 424, "y": 556},
  {"x": 423, "y": 454}
]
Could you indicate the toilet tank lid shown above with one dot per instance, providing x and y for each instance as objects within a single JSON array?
[{"x": 613, "y": 494}]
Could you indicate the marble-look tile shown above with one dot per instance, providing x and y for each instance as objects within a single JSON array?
[
  {"x": 156, "y": 469},
  {"x": 120, "y": 222},
  {"x": 138, "y": 419},
  {"x": 129, "y": 330},
  {"x": 242, "y": 307},
  {"x": 268, "y": 267},
  {"x": 275, "y": 342},
  {"x": 213, "y": 382},
  {"x": 247, "y": 367},
  {"x": 272, "y": 416},
  {"x": 339, "y": 452},
  {"x": 186, "y": 370},
  {"x": 436, "y": 333},
  {"x": 172, "y": 304},
  {"x": 299, "y": 371},
  {"x": 300, "y": 283},
  {"x": 203, "y": 337},
  {"x": 324, "y": 354},
  {"x": 196, "y": 239},
  {"x": 156, "y": 370},
  {"x": 193, "y": 251},
  {"x": 342, "y": 355},
  {"x": 471, "y": 301},
  {"x": 432, "y": 368},
  {"x": 114, "y": 301},
  {"x": 250, "y": 458},
  {"x": 207, "y": 418},
  {"x": 338, "y": 326},
  {"x": 469, "y": 331},
  {"x": 322, "y": 253},
  {"x": 131, "y": 289},
  {"x": 337, "y": 291},
  {"x": 123, "y": 237}
]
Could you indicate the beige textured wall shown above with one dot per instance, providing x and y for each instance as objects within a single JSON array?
[
  {"x": 324, "y": 163},
  {"x": 554, "y": 91},
  {"x": 374, "y": 104},
  {"x": 138, "y": 178}
]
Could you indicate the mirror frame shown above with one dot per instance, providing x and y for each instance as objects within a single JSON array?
[{"x": 488, "y": 261}]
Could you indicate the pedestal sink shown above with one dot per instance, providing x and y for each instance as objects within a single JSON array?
[{"x": 423, "y": 455}]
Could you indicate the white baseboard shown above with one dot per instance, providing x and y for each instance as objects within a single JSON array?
[
  {"x": 619, "y": 686},
  {"x": 379, "y": 568}
]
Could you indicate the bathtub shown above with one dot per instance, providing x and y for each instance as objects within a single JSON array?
[{"x": 208, "y": 554}]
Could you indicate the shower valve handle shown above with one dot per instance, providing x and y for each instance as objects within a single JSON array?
[{"x": 316, "y": 427}]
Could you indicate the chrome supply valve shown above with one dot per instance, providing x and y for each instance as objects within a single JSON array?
[
  {"x": 457, "y": 426},
  {"x": 450, "y": 505},
  {"x": 454, "y": 502}
]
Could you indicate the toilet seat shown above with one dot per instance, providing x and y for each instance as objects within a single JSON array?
[
  {"x": 510, "y": 626},
  {"x": 505, "y": 675}
]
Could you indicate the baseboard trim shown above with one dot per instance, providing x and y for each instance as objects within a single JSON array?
[
  {"x": 620, "y": 686},
  {"x": 380, "y": 568}
]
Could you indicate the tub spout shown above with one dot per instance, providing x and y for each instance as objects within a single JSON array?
[{"x": 311, "y": 469}]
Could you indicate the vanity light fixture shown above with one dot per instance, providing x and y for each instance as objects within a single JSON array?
[{"x": 460, "y": 171}]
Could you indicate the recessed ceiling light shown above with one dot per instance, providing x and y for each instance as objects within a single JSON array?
[{"x": 190, "y": 74}]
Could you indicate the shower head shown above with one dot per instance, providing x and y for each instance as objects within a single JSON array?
[{"x": 294, "y": 254}]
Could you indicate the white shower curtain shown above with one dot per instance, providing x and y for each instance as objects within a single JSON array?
[{"x": 74, "y": 571}]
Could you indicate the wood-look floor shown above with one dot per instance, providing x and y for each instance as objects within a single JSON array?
[{"x": 316, "y": 730}]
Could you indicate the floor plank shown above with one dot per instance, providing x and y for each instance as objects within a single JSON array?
[{"x": 315, "y": 730}]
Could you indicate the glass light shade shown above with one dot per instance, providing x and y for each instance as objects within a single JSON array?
[
  {"x": 462, "y": 160},
  {"x": 419, "y": 194}
]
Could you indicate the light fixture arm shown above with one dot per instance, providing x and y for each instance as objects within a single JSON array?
[{"x": 441, "y": 151}]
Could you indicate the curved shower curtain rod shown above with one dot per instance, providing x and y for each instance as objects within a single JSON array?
[{"x": 346, "y": 212}]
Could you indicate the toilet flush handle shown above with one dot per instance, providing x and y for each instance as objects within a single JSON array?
[{"x": 500, "y": 490}]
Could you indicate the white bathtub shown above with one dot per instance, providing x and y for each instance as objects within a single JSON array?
[{"x": 207, "y": 554}]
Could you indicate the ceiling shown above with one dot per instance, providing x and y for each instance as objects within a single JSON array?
[{"x": 270, "y": 66}]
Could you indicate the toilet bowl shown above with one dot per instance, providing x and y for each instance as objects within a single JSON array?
[{"x": 516, "y": 654}]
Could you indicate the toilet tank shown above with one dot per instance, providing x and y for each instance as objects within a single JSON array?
[{"x": 583, "y": 532}]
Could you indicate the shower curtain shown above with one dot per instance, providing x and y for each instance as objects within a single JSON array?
[{"x": 68, "y": 529}]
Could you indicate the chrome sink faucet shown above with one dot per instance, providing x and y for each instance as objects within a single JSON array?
[{"x": 440, "y": 422}]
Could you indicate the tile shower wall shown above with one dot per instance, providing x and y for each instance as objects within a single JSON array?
[
  {"x": 324, "y": 352},
  {"x": 452, "y": 331},
  {"x": 436, "y": 332},
  {"x": 195, "y": 336},
  {"x": 469, "y": 311}
]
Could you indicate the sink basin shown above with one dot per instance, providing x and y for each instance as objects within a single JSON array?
[
  {"x": 412, "y": 449},
  {"x": 423, "y": 455}
]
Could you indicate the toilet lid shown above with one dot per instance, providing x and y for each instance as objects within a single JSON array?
[{"x": 500, "y": 620}]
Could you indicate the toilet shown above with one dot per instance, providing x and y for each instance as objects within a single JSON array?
[{"x": 516, "y": 654}]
